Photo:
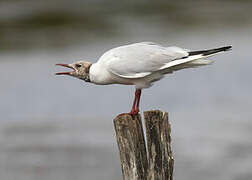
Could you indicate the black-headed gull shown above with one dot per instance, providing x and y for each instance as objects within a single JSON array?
[{"x": 139, "y": 64}]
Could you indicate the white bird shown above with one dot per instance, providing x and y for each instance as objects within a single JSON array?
[{"x": 139, "y": 64}]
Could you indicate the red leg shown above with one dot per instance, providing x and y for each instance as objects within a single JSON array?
[
  {"x": 135, "y": 107},
  {"x": 138, "y": 100},
  {"x": 134, "y": 104}
]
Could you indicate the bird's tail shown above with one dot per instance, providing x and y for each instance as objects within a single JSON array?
[
  {"x": 194, "y": 59},
  {"x": 204, "y": 54}
]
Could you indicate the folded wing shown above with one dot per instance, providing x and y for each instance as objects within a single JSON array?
[{"x": 141, "y": 59}]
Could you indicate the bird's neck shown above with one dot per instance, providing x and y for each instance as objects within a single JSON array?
[{"x": 99, "y": 75}]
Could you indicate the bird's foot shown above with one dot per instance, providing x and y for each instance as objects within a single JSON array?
[{"x": 134, "y": 112}]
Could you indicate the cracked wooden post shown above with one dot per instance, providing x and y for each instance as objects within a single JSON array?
[
  {"x": 133, "y": 153},
  {"x": 130, "y": 140},
  {"x": 158, "y": 132}
]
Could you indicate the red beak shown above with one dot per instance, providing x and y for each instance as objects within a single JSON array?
[{"x": 64, "y": 73}]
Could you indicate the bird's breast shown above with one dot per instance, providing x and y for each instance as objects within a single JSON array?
[{"x": 99, "y": 75}]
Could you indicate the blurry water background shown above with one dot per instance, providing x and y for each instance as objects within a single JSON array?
[{"x": 61, "y": 128}]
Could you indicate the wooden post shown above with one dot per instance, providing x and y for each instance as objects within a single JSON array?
[
  {"x": 130, "y": 140},
  {"x": 158, "y": 132},
  {"x": 133, "y": 154}
]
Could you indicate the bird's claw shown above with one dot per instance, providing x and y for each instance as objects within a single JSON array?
[{"x": 134, "y": 112}]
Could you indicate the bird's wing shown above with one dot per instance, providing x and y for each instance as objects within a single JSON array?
[{"x": 140, "y": 59}]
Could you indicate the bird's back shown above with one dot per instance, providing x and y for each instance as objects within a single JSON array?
[
  {"x": 139, "y": 59},
  {"x": 143, "y": 63}
]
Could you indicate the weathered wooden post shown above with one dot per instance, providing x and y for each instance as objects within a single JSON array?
[
  {"x": 136, "y": 163},
  {"x": 158, "y": 132},
  {"x": 130, "y": 140}
]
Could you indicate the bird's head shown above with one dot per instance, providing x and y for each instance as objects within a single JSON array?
[{"x": 80, "y": 70}]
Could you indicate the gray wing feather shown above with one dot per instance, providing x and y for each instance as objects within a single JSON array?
[{"x": 140, "y": 59}]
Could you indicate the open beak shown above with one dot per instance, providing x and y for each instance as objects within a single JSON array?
[{"x": 64, "y": 73}]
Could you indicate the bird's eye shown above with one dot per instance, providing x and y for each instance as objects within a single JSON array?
[{"x": 78, "y": 65}]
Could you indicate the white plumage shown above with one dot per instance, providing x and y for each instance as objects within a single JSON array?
[{"x": 139, "y": 64}]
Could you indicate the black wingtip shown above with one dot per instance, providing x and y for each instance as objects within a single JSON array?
[
  {"x": 226, "y": 48},
  {"x": 211, "y": 51},
  {"x": 229, "y": 48}
]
